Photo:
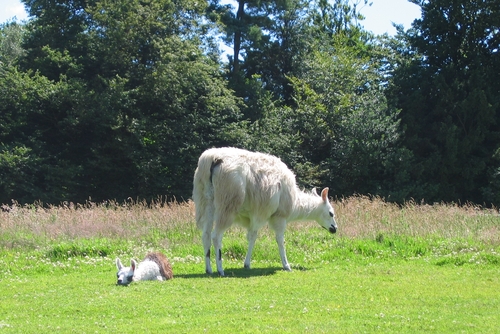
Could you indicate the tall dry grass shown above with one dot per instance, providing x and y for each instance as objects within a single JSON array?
[
  {"x": 358, "y": 217},
  {"x": 363, "y": 217},
  {"x": 130, "y": 220}
]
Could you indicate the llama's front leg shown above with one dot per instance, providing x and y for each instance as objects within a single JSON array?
[
  {"x": 251, "y": 237},
  {"x": 280, "y": 239},
  {"x": 279, "y": 228}
]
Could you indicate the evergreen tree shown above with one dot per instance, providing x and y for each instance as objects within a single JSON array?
[{"x": 449, "y": 97}]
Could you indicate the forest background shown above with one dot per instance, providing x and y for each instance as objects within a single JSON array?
[{"x": 117, "y": 99}]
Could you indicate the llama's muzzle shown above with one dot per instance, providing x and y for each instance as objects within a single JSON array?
[{"x": 332, "y": 229}]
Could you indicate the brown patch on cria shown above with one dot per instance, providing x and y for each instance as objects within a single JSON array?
[{"x": 162, "y": 262}]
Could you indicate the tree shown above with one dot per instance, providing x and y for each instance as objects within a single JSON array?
[
  {"x": 331, "y": 18},
  {"x": 345, "y": 123},
  {"x": 449, "y": 97},
  {"x": 32, "y": 165},
  {"x": 11, "y": 37},
  {"x": 328, "y": 118},
  {"x": 123, "y": 98}
]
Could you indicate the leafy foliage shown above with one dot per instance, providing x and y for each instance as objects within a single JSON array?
[
  {"x": 11, "y": 35},
  {"x": 117, "y": 111},
  {"x": 115, "y": 100}
]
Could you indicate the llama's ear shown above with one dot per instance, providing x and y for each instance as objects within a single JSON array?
[
  {"x": 314, "y": 191},
  {"x": 133, "y": 264},
  {"x": 119, "y": 264},
  {"x": 324, "y": 195}
]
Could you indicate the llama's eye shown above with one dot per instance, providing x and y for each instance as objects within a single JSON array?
[{"x": 331, "y": 214}]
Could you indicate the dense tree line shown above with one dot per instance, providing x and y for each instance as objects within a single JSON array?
[{"x": 111, "y": 100}]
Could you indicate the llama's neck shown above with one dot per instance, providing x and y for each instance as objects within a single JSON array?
[{"x": 304, "y": 207}]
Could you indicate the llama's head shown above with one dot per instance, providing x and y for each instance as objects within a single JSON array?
[
  {"x": 125, "y": 275},
  {"x": 326, "y": 214}
]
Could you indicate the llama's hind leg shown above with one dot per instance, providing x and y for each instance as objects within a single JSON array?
[
  {"x": 207, "y": 243},
  {"x": 222, "y": 223},
  {"x": 217, "y": 240},
  {"x": 207, "y": 221}
]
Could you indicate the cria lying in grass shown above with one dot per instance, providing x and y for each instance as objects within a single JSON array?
[{"x": 155, "y": 266}]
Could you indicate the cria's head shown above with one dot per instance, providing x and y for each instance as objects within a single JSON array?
[{"x": 125, "y": 275}]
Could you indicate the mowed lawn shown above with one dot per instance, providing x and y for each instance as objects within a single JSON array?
[{"x": 381, "y": 296}]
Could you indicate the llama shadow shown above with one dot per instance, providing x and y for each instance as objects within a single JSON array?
[{"x": 242, "y": 272}]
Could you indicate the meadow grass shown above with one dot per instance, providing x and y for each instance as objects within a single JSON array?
[{"x": 411, "y": 268}]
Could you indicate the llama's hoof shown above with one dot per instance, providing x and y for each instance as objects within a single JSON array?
[
  {"x": 287, "y": 268},
  {"x": 221, "y": 273},
  {"x": 246, "y": 266},
  {"x": 209, "y": 272}
]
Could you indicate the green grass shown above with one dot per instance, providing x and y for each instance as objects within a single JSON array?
[
  {"x": 348, "y": 297},
  {"x": 412, "y": 269}
]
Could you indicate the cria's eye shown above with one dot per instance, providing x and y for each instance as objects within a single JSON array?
[{"x": 331, "y": 214}]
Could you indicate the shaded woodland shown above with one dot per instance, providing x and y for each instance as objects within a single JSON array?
[{"x": 117, "y": 99}]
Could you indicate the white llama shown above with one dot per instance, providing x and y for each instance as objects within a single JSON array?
[
  {"x": 251, "y": 189},
  {"x": 155, "y": 266}
]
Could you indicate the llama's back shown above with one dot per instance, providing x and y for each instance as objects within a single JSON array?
[{"x": 239, "y": 180}]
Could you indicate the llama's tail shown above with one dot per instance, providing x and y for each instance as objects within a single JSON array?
[{"x": 203, "y": 190}]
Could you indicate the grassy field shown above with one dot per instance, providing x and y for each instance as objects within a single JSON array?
[{"x": 391, "y": 269}]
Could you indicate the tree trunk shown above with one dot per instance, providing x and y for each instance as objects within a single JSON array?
[{"x": 237, "y": 37}]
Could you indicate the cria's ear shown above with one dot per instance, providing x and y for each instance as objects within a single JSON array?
[
  {"x": 133, "y": 264},
  {"x": 119, "y": 264},
  {"x": 324, "y": 195}
]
